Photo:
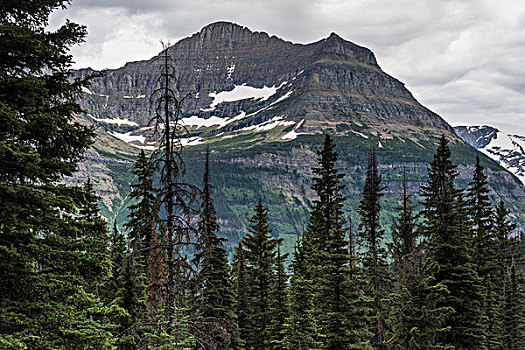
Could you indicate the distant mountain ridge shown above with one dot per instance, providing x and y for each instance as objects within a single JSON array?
[
  {"x": 331, "y": 80},
  {"x": 262, "y": 104},
  {"x": 506, "y": 149}
]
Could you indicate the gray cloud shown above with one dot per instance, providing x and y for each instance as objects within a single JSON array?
[{"x": 461, "y": 58}]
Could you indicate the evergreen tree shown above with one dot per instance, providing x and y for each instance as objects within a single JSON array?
[
  {"x": 278, "y": 301},
  {"x": 506, "y": 247},
  {"x": 338, "y": 304},
  {"x": 142, "y": 211},
  {"x": 127, "y": 291},
  {"x": 214, "y": 311},
  {"x": 447, "y": 228},
  {"x": 374, "y": 255},
  {"x": 301, "y": 325},
  {"x": 259, "y": 254},
  {"x": 485, "y": 251},
  {"x": 417, "y": 320},
  {"x": 240, "y": 285},
  {"x": 52, "y": 246},
  {"x": 513, "y": 330},
  {"x": 403, "y": 247},
  {"x": 481, "y": 216}
]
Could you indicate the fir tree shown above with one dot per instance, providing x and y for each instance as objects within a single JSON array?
[
  {"x": 338, "y": 304},
  {"x": 403, "y": 247},
  {"x": 240, "y": 286},
  {"x": 52, "y": 246},
  {"x": 259, "y": 254},
  {"x": 447, "y": 228},
  {"x": 301, "y": 326},
  {"x": 513, "y": 330},
  {"x": 141, "y": 212},
  {"x": 481, "y": 216},
  {"x": 278, "y": 301},
  {"x": 214, "y": 312},
  {"x": 374, "y": 255}
]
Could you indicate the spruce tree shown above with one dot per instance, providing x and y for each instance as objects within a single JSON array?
[
  {"x": 513, "y": 329},
  {"x": 481, "y": 216},
  {"x": 241, "y": 293},
  {"x": 259, "y": 254},
  {"x": 278, "y": 301},
  {"x": 374, "y": 254},
  {"x": 336, "y": 289},
  {"x": 447, "y": 229},
  {"x": 52, "y": 246},
  {"x": 214, "y": 316},
  {"x": 403, "y": 248},
  {"x": 143, "y": 209},
  {"x": 301, "y": 330}
]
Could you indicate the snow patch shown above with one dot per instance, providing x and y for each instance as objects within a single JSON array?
[
  {"x": 360, "y": 134},
  {"x": 230, "y": 70},
  {"x": 191, "y": 141},
  {"x": 86, "y": 90},
  {"x": 379, "y": 144},
  {"x": 213, "y": 120},
  {"x": 292, "y": 135},
  {"x": 117, "y": 121},
  {"x": 127, "y": 137},
  {"x": 270, "y": 124},
  {"x": 242, "y": 92}
]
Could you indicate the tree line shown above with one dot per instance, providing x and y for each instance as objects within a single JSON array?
[{"x": 449, "y": 277}]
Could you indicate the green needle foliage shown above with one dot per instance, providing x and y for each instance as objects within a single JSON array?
[
  {"x": 447, "y": 229},
  {"x": 259, "y": 254},
  {"x": 339, "y": 306},
  {"x": 53, "y": 244},
  {"x": 214, "y": 314},
  {"x": 371, "y": 236}
]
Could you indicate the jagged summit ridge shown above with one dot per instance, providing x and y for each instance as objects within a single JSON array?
[{"x": 312, "y": 87}]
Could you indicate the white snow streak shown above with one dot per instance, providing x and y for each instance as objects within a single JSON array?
[
  {"x": 292, "y": 135},
  {"x": 242, "y": 92}
]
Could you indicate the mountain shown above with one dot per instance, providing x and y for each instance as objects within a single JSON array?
[
  {"x": 262, "y": 104},
  {"x": 506, "y": 149}
]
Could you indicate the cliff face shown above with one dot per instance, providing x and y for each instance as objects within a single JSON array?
[
  {"x": 331, "y": 80},
  {"x": 262, "y": 104}
]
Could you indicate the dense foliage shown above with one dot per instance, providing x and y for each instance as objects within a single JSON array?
[{"x": 449, "y": 277}]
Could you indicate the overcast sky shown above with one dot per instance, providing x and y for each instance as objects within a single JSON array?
[{"x": 463, "y": 59}]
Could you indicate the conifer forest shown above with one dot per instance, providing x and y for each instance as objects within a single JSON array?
[{"x": 448, "y": 275}]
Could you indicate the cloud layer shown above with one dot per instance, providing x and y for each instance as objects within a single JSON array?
[{"x": 461, "y": 58}]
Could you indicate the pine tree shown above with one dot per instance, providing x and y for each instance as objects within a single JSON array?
[
  {"x": 215, "y": 316},
  {"x": 142, "y": 211},
  {"x": 259, "y": 254},
  {"x": 417, "y": 320},
  {"x": 241, "y": 293},
  {"x": 338, "y": 304},
  {"x": 513, "y": 329},
  {"x": 52, "y": 248},
  {"x": 301, "y": 326},
  {"x": 484, "y": 250},
  {"x": 374, "y": 255},
  {"x": 447, "y": 229},
  {"x": 481, "y": 216},
  {"x": 403, "y": 248},
  {"x": 278, "y": 301}
]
